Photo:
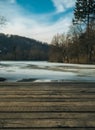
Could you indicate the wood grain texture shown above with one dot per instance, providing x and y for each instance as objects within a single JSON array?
[{"x": 47, "y": 106}]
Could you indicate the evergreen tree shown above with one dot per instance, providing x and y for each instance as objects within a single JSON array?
[{"x": 84, "y": 12}]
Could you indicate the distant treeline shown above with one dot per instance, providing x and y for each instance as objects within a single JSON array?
[
  {"x": 13, "y": 47},
  {"x": 70, "y": 48}
]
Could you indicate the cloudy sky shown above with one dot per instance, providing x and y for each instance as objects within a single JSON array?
[{"x": 38, "y": 19}]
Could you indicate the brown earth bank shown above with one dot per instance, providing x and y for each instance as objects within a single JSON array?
[{"x": 47, "y": 106}]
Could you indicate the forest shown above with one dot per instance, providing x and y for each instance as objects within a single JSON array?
[
  {"x": 13, "y": 47},
  {"x": 78, "y": 45}
]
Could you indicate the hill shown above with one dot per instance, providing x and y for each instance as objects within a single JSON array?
[{"x": 14, "y": 47}]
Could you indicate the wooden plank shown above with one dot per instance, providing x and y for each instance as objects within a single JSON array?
[
  {"x": 67, "y": 108},
  {"x": 48, "y": 106},
  {"x": 47, "y": 123},
  {"x": 44, "y": 99},
  {"x": 48, "y": 115},
  {"x": 64, "y": 95},
  {"x": 28, "y": 128},
  {"x": 47, "y": 92}
]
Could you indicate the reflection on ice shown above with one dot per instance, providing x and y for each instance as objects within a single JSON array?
[{"x": 46, "y": 71}]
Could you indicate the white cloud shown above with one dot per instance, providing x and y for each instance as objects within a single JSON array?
[
  {"x": 47, "y": 32},
  {"x": 31, "y": 25},
  {"x": 12, "y": 1},
  {"x": 29, "y": 28},
  {"x": 9, "y": 1},
  {"x": 62, "y": 5}
]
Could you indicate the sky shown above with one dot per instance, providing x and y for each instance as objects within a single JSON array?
[{"x": 37, "y": 19}]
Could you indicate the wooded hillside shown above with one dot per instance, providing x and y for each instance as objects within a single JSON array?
[{"x": 13, "y": 47}]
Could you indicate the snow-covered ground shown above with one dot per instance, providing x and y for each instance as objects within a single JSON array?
[{"x": 46, "y": 71}]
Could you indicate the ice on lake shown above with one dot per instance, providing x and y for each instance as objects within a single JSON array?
[{"x": 46, "y": 71}]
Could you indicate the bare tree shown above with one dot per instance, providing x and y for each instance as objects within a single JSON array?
[
  {"x": 2, "y": 21},
  {"x": 57, "y": 48}
]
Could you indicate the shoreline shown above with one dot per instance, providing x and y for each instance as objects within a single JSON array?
[
  {"x": 47, "y": 83},
  {"x": 34, "y": 80}
]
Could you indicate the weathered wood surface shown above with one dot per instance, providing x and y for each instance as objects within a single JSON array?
[{"x": 47, "y": 106}]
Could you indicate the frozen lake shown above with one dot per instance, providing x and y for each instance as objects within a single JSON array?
[{"x": 46, "y": 71}]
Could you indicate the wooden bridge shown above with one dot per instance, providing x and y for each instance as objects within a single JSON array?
[{"x": 47, "y": 106}]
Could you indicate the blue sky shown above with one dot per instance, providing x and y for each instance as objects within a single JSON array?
[{"x": 38, "y": 19}]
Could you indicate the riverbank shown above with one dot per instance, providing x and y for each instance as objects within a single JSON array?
[{"x": 48, "y": 106}]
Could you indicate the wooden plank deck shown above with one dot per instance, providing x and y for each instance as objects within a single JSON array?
[{"x": 47, "y": 106}]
